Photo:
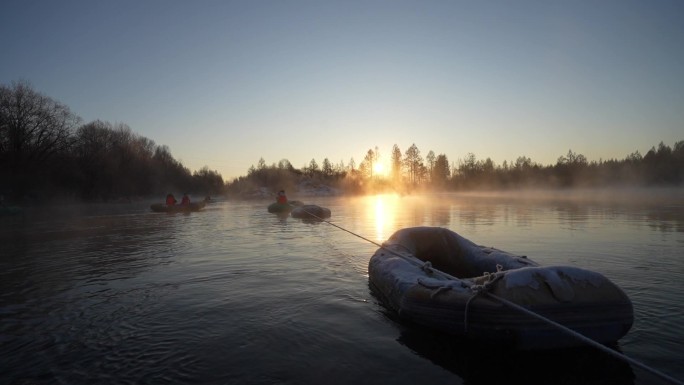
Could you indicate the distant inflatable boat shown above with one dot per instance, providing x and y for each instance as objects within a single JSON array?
[
  {"x": 402, "y": 273},
  {"x": 283, "y": 208},
  {"x": 310, "y": 212},
  {"x": 277, "y": 208},
  {"x": 192, "y": 206}
]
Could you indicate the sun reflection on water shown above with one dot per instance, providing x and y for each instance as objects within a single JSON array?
[{"x": 385, "y": 207}]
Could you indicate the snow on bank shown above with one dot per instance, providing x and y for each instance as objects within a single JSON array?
[{"x": 309, "y": 188}]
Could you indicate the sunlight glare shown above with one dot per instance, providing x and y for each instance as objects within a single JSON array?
[
  {"x": 385, "y": 205},
  {"x": 379, "y": 169}
]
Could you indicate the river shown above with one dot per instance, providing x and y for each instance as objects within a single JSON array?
[{"x": 117, "y": 294}]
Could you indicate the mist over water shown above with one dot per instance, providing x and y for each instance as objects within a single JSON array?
[{"x": 233, "y": 294}]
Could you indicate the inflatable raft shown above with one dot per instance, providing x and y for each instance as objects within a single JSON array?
[
  {"x": 310, "y": 212},
  {"x": 278, "y": 208},
  {"x": 192, "y": 206},
  {"x": 406, "y": 273},
  {"x": 283, "y": 208}
]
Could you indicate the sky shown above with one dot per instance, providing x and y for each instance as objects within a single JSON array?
[{"x": 225, "y": 83}]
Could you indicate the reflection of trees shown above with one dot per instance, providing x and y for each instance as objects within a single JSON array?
[
  {"x": 520, "y": 214},
  {"x": 474, "y": 213},
  {"x": 441, "y": 214},
  {"x": 574, "y": 214},
  {"x": 666, "y": 220},
  {"x": 64, "y": 244}
]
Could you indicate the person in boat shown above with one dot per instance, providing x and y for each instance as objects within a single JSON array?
[
  {"x": 170, "y": 200},
  {"x": 185, "y": 200},
  {"x": 281, "y": 198}
]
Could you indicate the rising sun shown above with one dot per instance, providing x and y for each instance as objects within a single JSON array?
[{"x": 378, "y": 169}]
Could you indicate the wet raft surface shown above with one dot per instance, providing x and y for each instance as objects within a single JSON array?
[{"x": 582, "y": 300}]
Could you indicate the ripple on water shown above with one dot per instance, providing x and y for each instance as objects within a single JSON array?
[{"x": 237, "y": 295}]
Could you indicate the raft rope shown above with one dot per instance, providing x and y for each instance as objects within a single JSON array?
[
  {"x": 425, "y": 266},
  {"x": 585, "y": 339},
  {"x": 479, "y": 289},
  {"x": 484, "y": 290}
]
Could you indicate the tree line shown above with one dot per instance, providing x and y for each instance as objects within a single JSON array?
[
  {"x": 46, "y": 152},
  {"x": 660, "y": 166}
]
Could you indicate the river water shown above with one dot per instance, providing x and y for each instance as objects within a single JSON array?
[{"x": 117, "y": 294}]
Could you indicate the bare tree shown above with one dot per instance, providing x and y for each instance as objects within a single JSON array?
[
  {"x": 33, "y": 130},
  {"x": 33, "y": 127},
  {"x": 208, "y": 181}
]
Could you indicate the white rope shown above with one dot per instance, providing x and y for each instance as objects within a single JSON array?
[
  {"x": 478, "y": 289},
  {"x": 409, "y": 258},
  {"x": 465, "y": 315},
  {"x": 484, "y": 289}
]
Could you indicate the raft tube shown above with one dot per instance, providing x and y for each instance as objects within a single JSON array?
[
  {"x": 310, "y": 212},
  {"x": 585, "y": 301}
]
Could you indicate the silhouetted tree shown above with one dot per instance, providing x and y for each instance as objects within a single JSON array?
[
  {"x": 340, "y": 169},
  {"x": 327, "y": 169},
  {"x": 661, "y": 167},
  {"x": 396, "y": 164},
  {"x": 33, "y": 130},
  {"x": 208, "y": 181},
  {"x": 172, "y": 175},
  {"x": 430, "y": 159},
  {"x": 368, "y": 164},
  {"x": 570, "y": 169},
  {"x": 440, "y": 172},
  {"x": 285, "y": 164},
  {"x": 313, "y": 167},
  {"x": 414, "y": 164},
  {"x": 468, "y": 167},
  {"x": 93, "y": 148}
]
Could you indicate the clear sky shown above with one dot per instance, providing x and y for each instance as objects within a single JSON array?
[{"x": 224, "y": 83}]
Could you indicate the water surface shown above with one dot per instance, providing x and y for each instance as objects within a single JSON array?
[{"x": 236, "y": 295}]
